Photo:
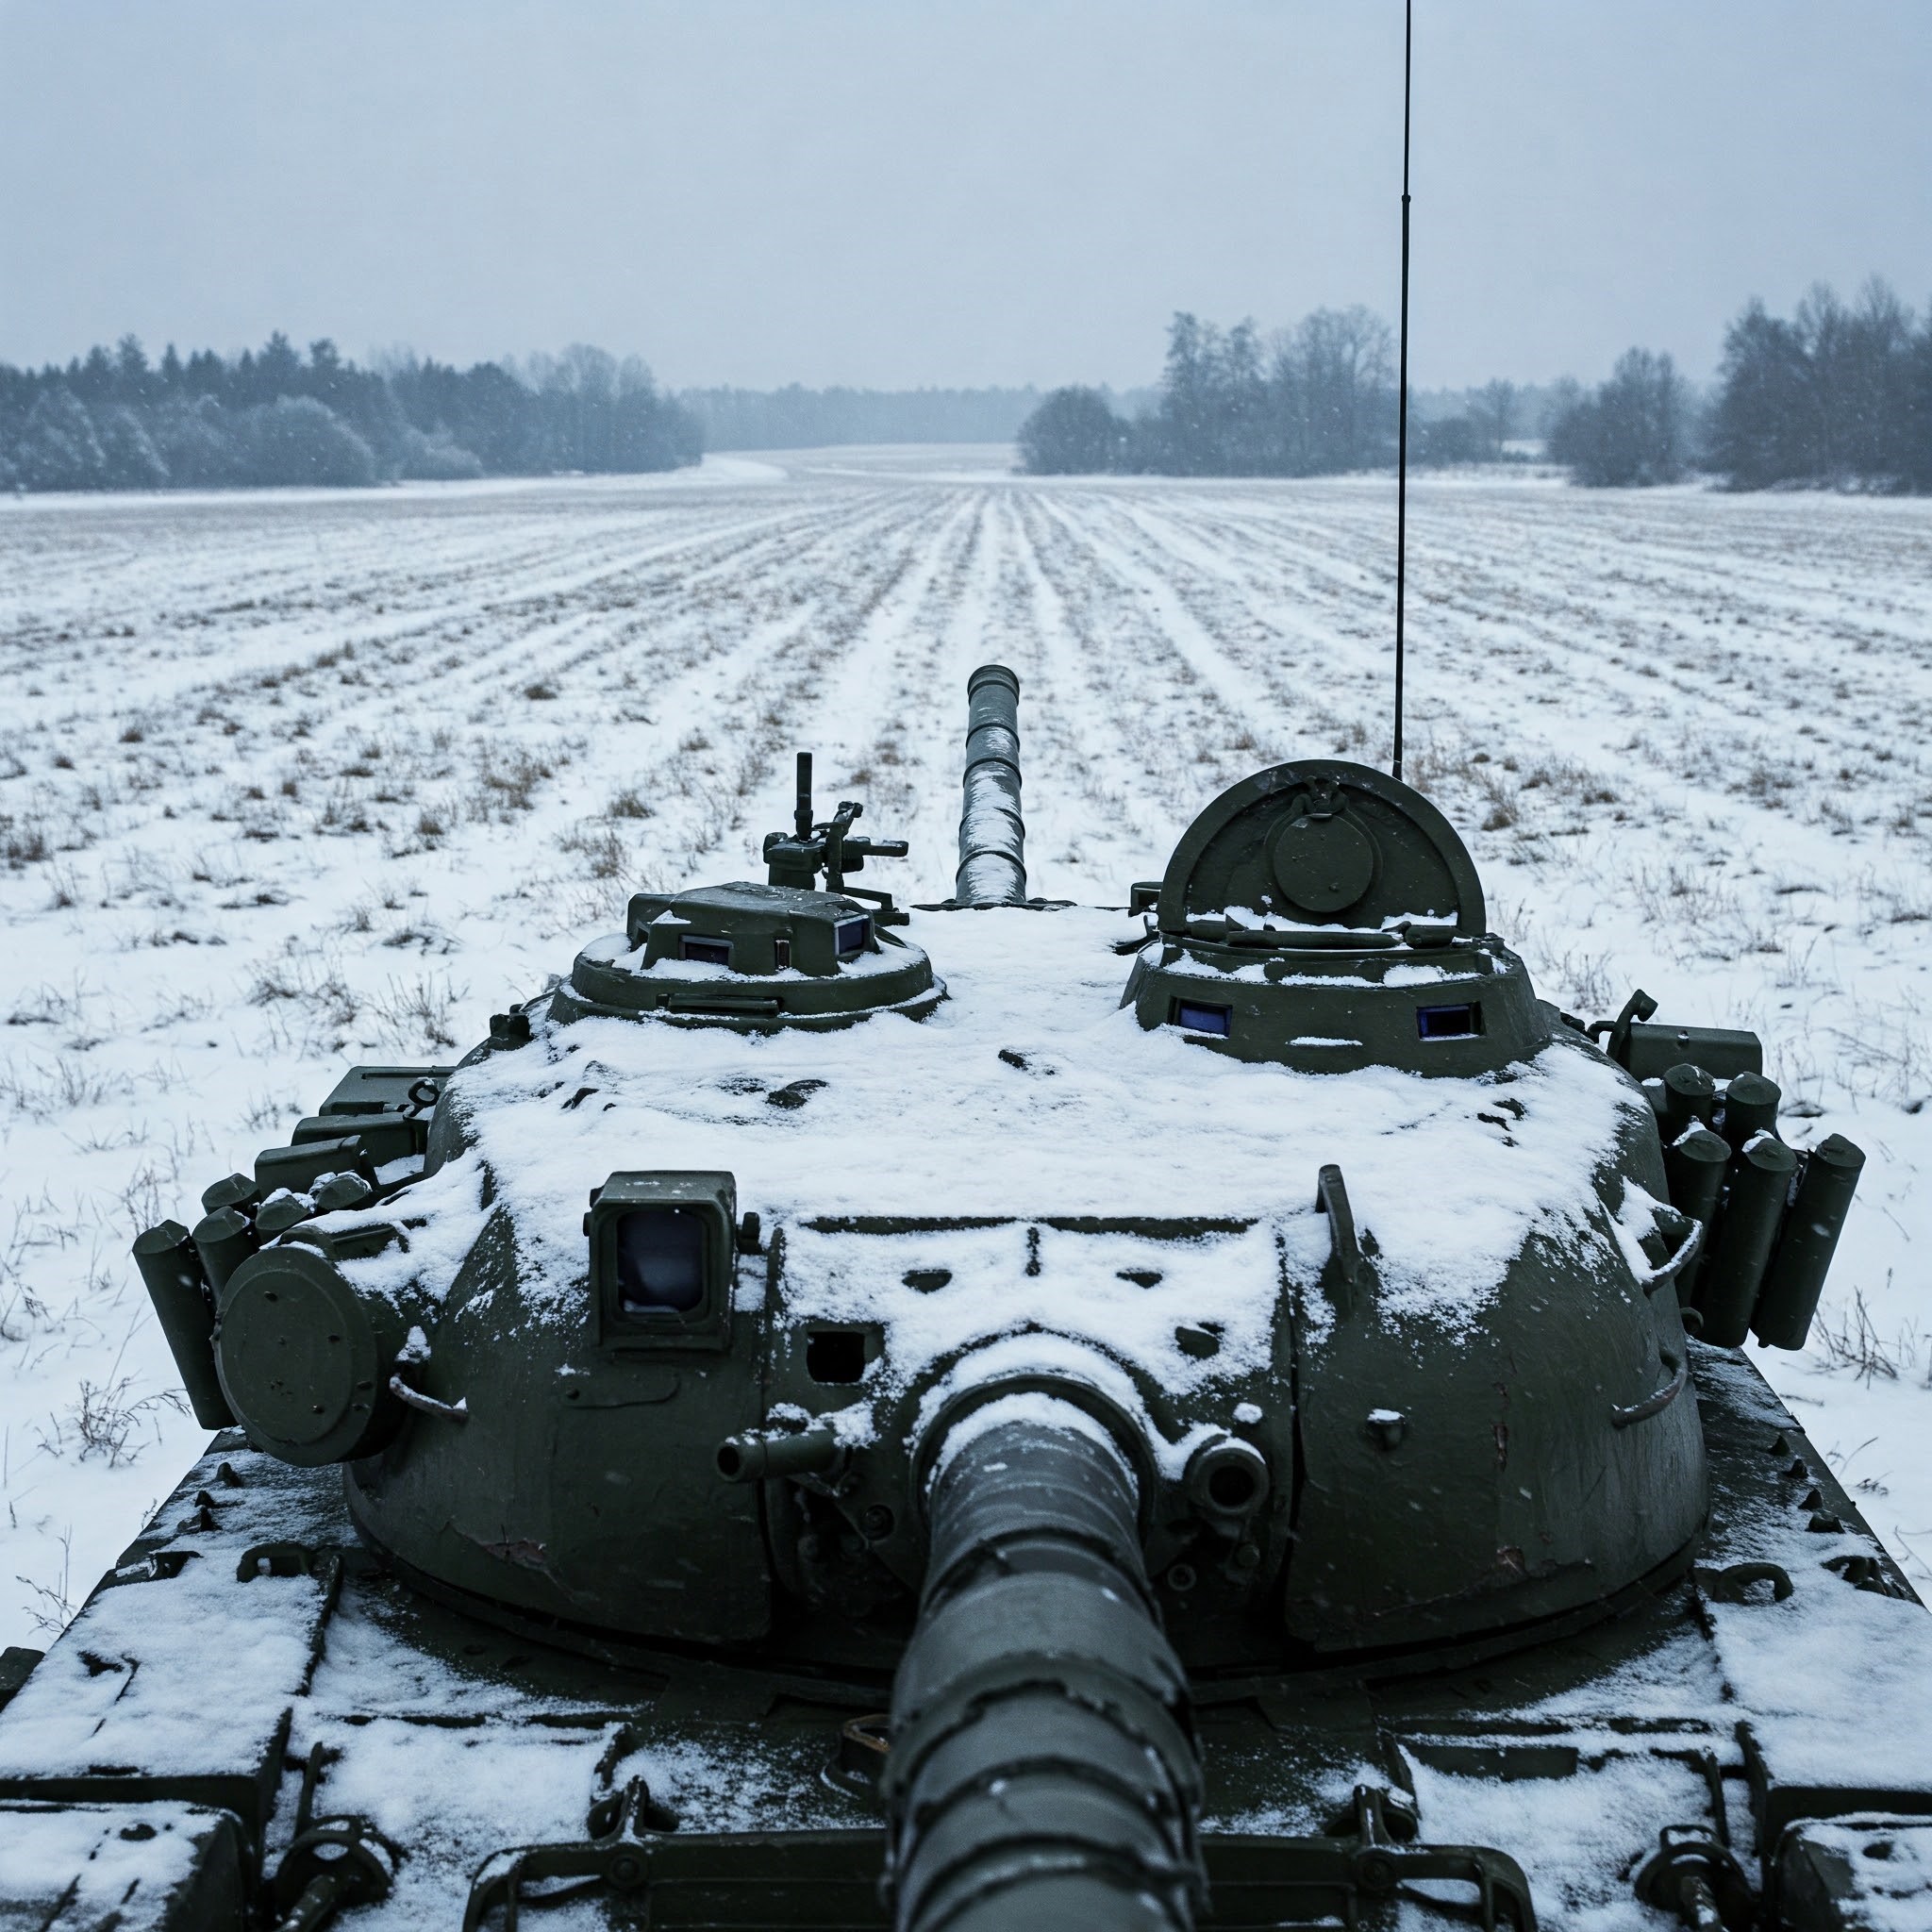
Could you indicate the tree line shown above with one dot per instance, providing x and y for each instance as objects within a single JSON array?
[
  {"x": 114, "y": 420},
  {"x": 1309, "y": 400},
  {"x": 1839, "y": 395}
]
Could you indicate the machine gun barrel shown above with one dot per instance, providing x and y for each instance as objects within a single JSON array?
[
  {"x": 992, "y": 833},
  {"x": 1042, "y": 1770},
  {"x": 800, "y": 811}
]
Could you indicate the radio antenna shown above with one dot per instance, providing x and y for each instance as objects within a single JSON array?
[{"x": 1401, "y": 398}]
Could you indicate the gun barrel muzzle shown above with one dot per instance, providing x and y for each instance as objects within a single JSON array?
[{"x": 992, "y": 832}]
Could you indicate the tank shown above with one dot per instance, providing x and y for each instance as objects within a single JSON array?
[{"x": 1221, "y": 1410}]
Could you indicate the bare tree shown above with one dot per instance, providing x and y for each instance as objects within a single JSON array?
[
  {"x": 1635, "y": 429},
  {"x": 1835, "y": 394},
  {"x": 1494, "y": 409},
  {"x": 1073, "y": 432}
]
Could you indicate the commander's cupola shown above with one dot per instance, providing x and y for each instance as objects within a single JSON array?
[{"x": 1324, "y": 916}]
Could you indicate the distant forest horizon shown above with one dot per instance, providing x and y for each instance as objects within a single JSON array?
[
  {"x": 1837, "y": 394},
  {"x": 113, "y": 419}
]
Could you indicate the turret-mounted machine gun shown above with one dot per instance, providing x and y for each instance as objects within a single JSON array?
[{"x": 796, "y": 859}]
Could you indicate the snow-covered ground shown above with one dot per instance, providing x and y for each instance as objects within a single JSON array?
[{"x": 292, "y": 780}]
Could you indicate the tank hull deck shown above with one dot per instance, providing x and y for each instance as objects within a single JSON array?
[{"x": 248, "y": 1669}]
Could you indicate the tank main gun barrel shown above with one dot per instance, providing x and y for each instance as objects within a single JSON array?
[
  {"x": 1042, "y": 1770},
  {"x": 992, "y": 832}
]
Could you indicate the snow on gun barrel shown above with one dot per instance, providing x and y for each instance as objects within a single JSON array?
[{"x": 992, "y": 832}]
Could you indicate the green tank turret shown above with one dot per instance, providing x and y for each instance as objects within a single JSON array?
[{"x": 1228, "y": 1415}]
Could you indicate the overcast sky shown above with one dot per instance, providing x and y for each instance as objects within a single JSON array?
[{"x": 893, "y": 193}]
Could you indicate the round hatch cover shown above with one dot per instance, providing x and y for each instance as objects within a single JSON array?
[
  {"x": 1322, "y": 860},
  {"x": 1322, "y": 841}
]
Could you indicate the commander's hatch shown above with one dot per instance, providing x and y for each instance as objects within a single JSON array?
[{"x": 1326, "y": 916}]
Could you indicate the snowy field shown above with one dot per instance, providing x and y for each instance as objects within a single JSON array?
[{"x": 292, "y": 780}]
